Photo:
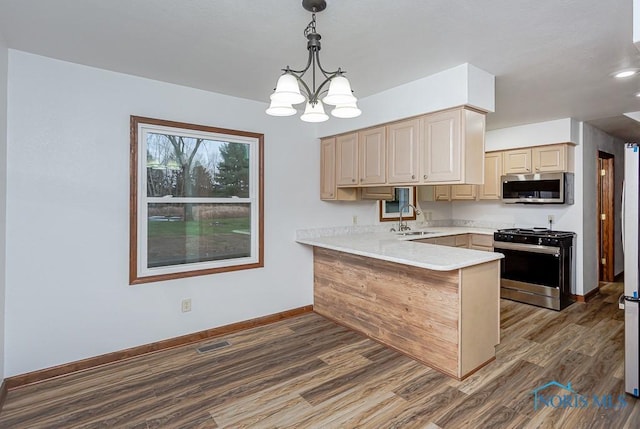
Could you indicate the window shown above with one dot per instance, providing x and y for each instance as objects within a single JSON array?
[
  {"x": 196, "y": 200},
  {"x": 390, "y": 210}
]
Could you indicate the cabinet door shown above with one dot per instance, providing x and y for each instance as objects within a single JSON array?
[
  {"x": 481, "y": 242},
  {"x": 550, "y": 158},
  {"x": 347, "y": 160},
  {"x": 402, "y": 151},
  {"x": 442, "y": 193},
  {"x": 440, "y": 155},
  {"x": 328, "y": 169},
  {"x": 372, "y": 154},
  {"x": 462, "y": 240},
  {"x": 492, "y": 188},
  {"x": 449, "y": 240},
  {"x": 463, "y": 192},
  {"x": 517, "y": 161},
  {"x": 378, "y": 193}
]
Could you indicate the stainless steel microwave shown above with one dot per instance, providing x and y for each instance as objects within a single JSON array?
[{"x": 544, "y": 188}]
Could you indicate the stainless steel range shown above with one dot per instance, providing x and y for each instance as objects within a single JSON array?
[{"x": 538, "y": 266}]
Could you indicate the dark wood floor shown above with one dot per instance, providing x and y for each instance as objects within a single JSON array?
[{"x": 308, "y": 372}]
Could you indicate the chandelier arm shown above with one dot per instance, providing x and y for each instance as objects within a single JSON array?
[
  {"x": 327, "y": 74},
  {"x": 323, "y": 84}
]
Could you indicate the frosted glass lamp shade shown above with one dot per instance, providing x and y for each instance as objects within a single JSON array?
[
  {"x": 287, "y": 90},
  {"x": 314, "y": 113},
  {"x": 339, "y": 92},
  {"x": 277, "y": 108},
  {"x": 349, "y": 110}
]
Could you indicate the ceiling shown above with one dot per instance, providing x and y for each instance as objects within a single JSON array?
[{"x": 552, "y": 59}]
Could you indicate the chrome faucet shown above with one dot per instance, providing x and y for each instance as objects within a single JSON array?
[{"x": 405, "y": 227}]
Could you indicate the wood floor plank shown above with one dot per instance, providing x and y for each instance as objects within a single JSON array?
[{"x": 308, "y": 372}]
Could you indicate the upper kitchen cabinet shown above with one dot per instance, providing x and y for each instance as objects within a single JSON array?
[
  {"x": 347, "y": 160},
  {"x": 402, "y": 151},
  {"x": 517, "y": 161},
  {"x": 372, "y": 155},
  {"x": 553, "y": 158},
  {"x": 491, "y": 189},
  {"x": 539, "y": 159},
  {"x": 328, "y": 189},
  {"x": 453, "y": 147}
]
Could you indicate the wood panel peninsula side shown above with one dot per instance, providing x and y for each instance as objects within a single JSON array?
[{"x": 447, "y": 319}]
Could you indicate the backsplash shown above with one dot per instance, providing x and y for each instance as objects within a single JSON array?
[{"x": 385, "y": 227}]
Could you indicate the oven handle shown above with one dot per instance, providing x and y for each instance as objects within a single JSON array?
[{"x": 534, "y": 248}]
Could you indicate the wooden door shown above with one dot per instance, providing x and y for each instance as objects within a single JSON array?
[
  {"x": 492, "y": 187},
  {"x": 606, "y": 216},
  {"x": 328, "y": 169},
  {"x": 516, "y": 161},
  {"x": 372, "y": 154},
  {"x": 463, "y": 192},
  {"x": 347, "y": 160},
  {"x": 550, "y": 158},
  {"x": 402, "y": 151},
  {"x": 440, "y": 156}
]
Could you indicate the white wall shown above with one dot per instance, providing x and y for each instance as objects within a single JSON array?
[
  {"x": 595, "y": 140},
  {"x": 463, "y": 84},
  {"x": 67, "y": 292},
  {"x": 3, "y": 193},
  {"x": 536, "y": 134}
]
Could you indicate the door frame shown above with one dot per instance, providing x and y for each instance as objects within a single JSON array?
[{"x": 605, "y": 206}]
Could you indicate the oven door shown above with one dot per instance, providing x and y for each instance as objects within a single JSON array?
[{"x": 529, "y": 263}]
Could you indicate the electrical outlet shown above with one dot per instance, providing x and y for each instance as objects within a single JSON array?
[
  {"x": 186, "y": 305},
  {"x": 355, "y": 219},
  {"x": 427, "y": 216}
]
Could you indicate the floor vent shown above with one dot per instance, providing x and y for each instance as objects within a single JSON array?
[{"x": 214, "y": 346}]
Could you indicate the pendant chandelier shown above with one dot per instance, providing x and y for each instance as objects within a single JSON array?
[{"x": 336, "y": 87}]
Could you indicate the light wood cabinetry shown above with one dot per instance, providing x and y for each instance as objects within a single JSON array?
[
  {"x": 328, "y": 169},
  {"x": 347, "y": 160},
  {"x": 516, "y": 161},
  {"x": 539, "y": 159},
  {"x": 552, "y": 158},
  {"x": 372, "y": 150},
  {"x": 453, "y": 145},
  {"x": 481, "y": 242},
  {"x": 328, "y": 189},
  {"x": 492, "y": 187},
  {"x": 467, "y": 241},
  {"x": 402, "y": 151},
  {"x": 377, "y": 193},
  {"x": 442, "y": 193},
  {"x": 463, "y": 192},
  {"x": 441, "y": 148}
]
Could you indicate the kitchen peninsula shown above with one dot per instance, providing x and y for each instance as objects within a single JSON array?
[{"x": 438, "y": 304}]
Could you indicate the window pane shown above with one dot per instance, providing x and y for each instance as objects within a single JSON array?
[
  {"x": 188, "y": 233},
  {"x": 196, "y": 167}
]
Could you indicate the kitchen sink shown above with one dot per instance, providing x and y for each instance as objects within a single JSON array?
[{"x": 406, "y": 233}]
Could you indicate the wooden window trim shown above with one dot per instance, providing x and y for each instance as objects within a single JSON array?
[{"x": 134, "y": 278}]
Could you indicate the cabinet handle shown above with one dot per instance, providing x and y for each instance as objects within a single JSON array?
[
  {"x": 353, "y": 180},
  {"x": 425, "y": 177},
  {"x": 413, "y": 176}
]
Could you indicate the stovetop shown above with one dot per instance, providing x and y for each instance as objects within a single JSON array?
[
  {"x": 538, "y": 232},
  {"x": 535, "y": 236}
]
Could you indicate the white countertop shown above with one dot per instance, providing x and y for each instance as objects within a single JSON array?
[{"x": 388, "y": 246}]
